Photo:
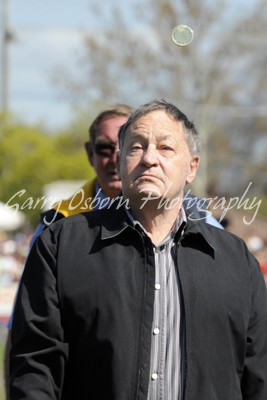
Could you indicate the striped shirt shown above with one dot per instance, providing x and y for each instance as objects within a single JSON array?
[{"x": 165, "y": 361}]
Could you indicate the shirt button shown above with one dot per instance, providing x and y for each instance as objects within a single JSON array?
[
  {"x": 156, "y": 331},
  {"x": 157, "y": 286},
  {"x": 154, "y": 376}
]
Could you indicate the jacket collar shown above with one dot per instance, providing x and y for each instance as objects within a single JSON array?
[
  {"x": 194, "y": 227},
  {"x": 115, "y": 221}
]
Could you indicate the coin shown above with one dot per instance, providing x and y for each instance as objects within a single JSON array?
[{"x": 182, "y": 35}]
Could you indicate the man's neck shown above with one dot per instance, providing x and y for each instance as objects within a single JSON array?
[{"x": 157, "y": 222}]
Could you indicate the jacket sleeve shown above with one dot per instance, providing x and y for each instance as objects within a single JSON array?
[
  {"x": 254, "y": 378},
  {"x": 39, "y": 350}
]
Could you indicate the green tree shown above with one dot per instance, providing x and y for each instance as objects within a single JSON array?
[{"x": 31, "y": 158}]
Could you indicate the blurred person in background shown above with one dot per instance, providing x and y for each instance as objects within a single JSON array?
[{"x": 101, "y": 151}]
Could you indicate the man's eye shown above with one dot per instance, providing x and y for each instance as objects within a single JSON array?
[
  {"x": 136, "y": 147},
  {"x": 105, "y": 149},
  {"x": 167, "y": 148}
]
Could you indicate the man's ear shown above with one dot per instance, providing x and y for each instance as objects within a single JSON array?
[
  {"x": 89, "y": 151},
  {"x": 193, "y": 169}
]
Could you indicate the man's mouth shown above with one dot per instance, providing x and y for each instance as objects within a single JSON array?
[
  {"x": 147, "y": 177},
  {"x": 114, "y": 175}
]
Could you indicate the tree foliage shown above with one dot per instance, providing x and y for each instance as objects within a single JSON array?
[{"x": 31, "y": 158}]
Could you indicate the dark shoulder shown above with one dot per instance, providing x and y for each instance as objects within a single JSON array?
[
  {"x": 87, "y": 221},
  {"x": 229, "y": 242},
  {"x": 50, "y": 216},
  {"x": 221, "y": 239},
  {"x": 86, "y": 218}
]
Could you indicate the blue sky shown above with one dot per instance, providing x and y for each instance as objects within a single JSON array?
[{"x": 46, "y": 35}]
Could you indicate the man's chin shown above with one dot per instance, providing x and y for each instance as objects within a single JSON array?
[
  {"x": 114, "y": 188},
  {"x": 148, "y": 198},
  {"x": 150, "y": 192}
]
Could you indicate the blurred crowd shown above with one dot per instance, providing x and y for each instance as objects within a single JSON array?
[
  {"x": 258, "y": 247},
  {"x": 13, "y": 252}
]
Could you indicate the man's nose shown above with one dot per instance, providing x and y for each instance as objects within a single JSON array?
[
  {"x": 150, "y": 156},
  {"x": 113, "y": 156}
]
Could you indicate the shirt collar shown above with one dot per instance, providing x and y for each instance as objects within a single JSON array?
[
  {"x": 99, "y": 194},
  {"x": 178, "y": 226}
]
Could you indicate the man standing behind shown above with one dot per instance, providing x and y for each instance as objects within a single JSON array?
[
  {"x": 101, "y": 151},
  {"x": 137, "y": 301}
]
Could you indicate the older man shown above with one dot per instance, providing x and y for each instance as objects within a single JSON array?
[{"x": 138, "y": 301}]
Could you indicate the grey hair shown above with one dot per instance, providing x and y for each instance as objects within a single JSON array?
[{"x": 192, "y": 135}]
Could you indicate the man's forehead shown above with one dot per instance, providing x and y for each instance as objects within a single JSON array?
[
  {"x": 158, "y": 121},
  {"x": 109, "y": 128},
  {"x": 112, "y": 121}
]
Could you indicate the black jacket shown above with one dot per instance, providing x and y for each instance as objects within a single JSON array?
[{"x": 83, "y": 319}]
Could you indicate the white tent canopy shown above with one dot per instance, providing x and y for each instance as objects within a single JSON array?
[{"x": 10, "y": 218}]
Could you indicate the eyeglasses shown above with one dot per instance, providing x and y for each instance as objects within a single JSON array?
[{"x": 105, "y": 149}]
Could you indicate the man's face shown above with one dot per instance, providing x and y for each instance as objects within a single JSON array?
[
  {"x": 156, "y": 160},
  {"x": 103, "y": 158}
]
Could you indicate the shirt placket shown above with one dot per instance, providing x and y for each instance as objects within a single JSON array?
[{"x": 156, "y": 386}]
